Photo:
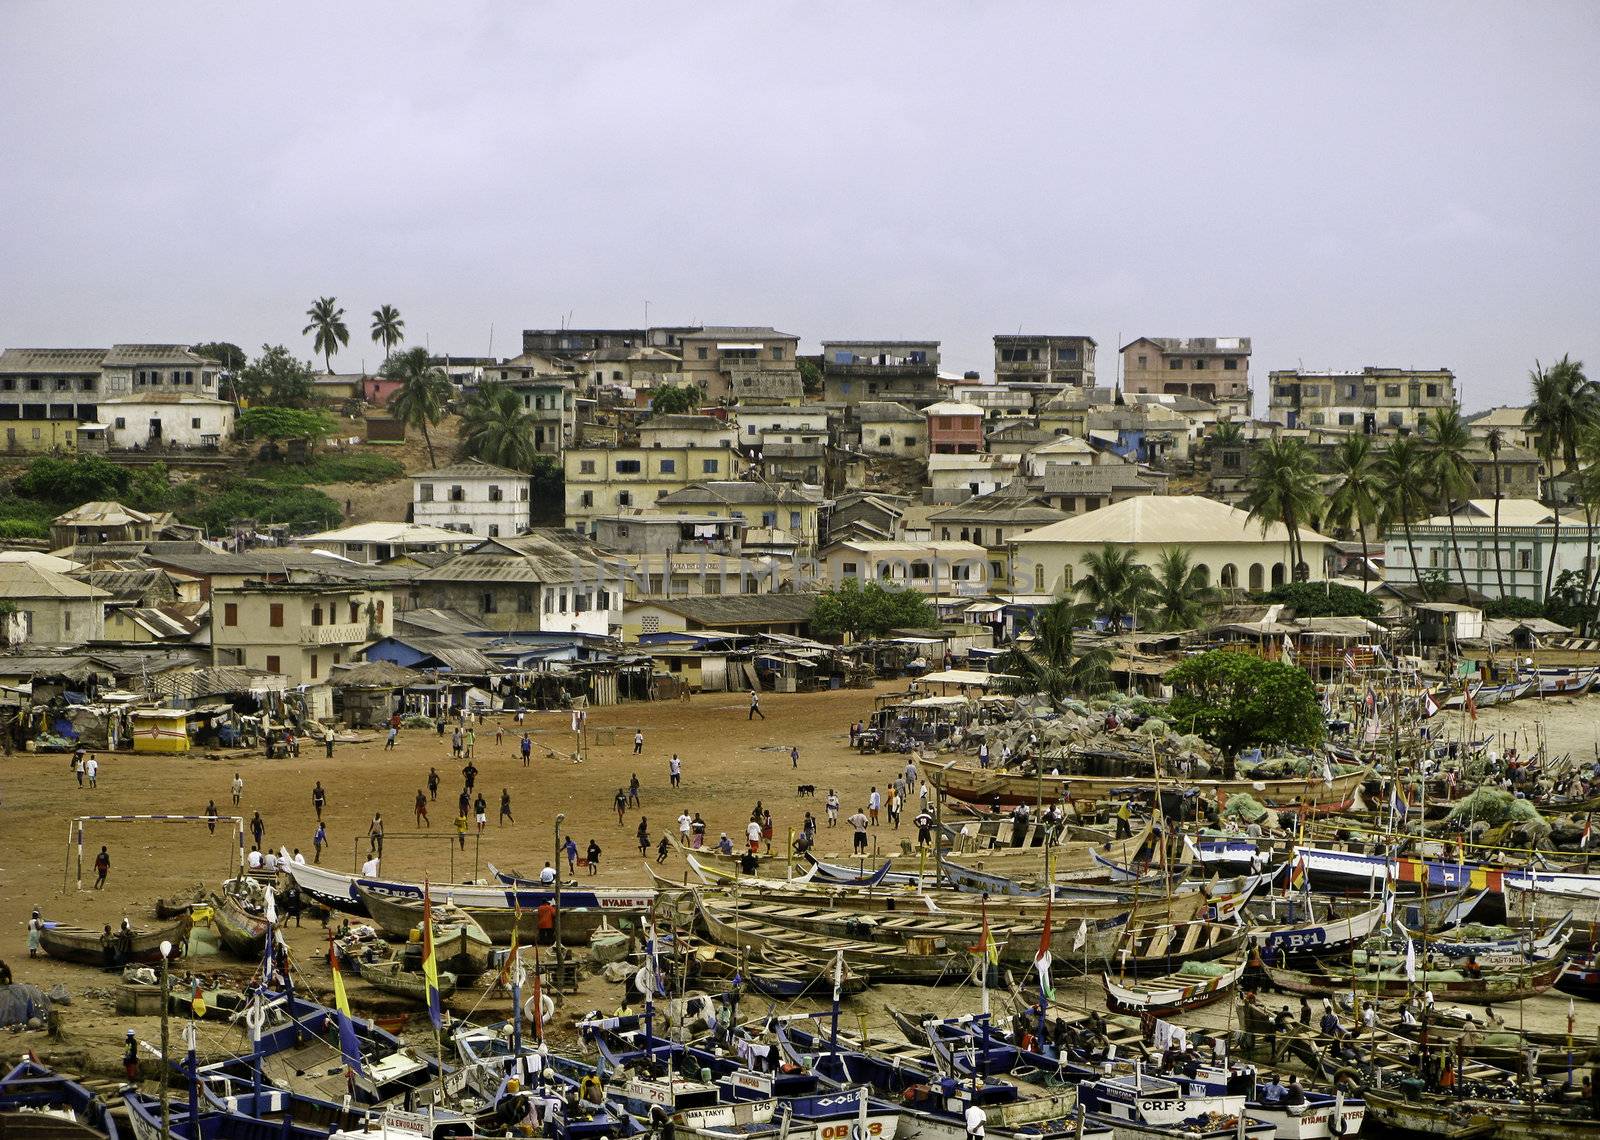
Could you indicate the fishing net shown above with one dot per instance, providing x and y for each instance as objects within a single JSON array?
[
  {"x": 20, "y": 1003},
  {"x": 1204, "y": 969},
  {"x": 1242, "y": 805},
  {"x": 1481, "y": 932},
  {"x": 1490, "y": 805}
]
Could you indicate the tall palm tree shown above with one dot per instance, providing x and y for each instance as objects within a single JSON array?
[
  {"x": 1565, "y": 404},
  {"x": 1353, "y": 504},
  {"x": 1402, "y": 479},
  {"x": 1446, "y": 443},
  {"x": 1116, "y": 585},
  {"x": 1053, "y": 664},
  {"x": 1495, "y": 440},
  {"x": 327, "y": 322},
  {"x": 424, "y": 391},
  {"x": 388, "y": 328},
  {"x": 1179, "y": 590},
  {"x": 1284, "y": 487},
  {"x": 497, "y": 428}
]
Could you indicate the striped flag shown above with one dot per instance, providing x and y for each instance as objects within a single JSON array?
[
  {"x": 198, "y": 1001},
  {"x": 349, "y": 1046},
  {"x": 1349, "y": 659},
  {"x": 430, "y": 962},
  {"x": 1397, "y": 802},
  {"x": 1041, "y": 960},
  {"x": 1429, "y": 705}
]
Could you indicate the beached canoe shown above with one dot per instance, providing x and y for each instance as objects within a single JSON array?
[{"x": 97, "y": 948}]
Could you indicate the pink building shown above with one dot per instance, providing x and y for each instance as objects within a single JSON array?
[
  {"x": 378, "y": 389},
  {"x": 954, "y": 428}
]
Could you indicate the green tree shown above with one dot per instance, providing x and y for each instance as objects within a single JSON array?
[
  {"x": 267, "y": 422},
  {"x": 1116, "y": 585},
  {"x": 83, "y": 479},
  {"x": 1352, "y": 504},
  {"x": 1052, "y": 664},
  {"x": 497, "y": 427},
  {"x": 675, "y": 399},
  {"x": 1326, "y": 599},
  {"x": 1284, "y": 487},
  {"x": 869, "y": 610},
  {"x": 1446, "y": 444},
  {"x": 326, "y": 322},
  {"x": 275, "y": 377},
  {"x": 229, "y": 355},
  {"x": 1236, "y": 700},
  {"x": 1402, "y": 472},
  {"x": 1496, "y": 440},
  {"x": 388, "y": 329},
  {"x": 1566, "y": 404},
  {"x": 1179, "y": 591},
  {"x": 810, "y": 375},
  {"x": 424, "y": 391}
]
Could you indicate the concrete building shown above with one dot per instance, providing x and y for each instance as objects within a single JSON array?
[
  {"x": 1509, "y": 422},
  {"x": 153, "y": 420},
  {"x": 954, "y": 477},
  {"x": 1526, "y": 539},
  {"x": 144, "y": 369},
  {"x": 376, "y": 542},
  {"x": 1213, "y": 369},
  {"x": 51, "y": 383},
  {"x": 604, "y": 481},
  {"x": 666, "y": 432},
  {"x": 472, "y": 497},
  {"x": 1045, "y": 358},
  {"x": 902, "y": 370},
  {"x": 757, "y": 426},
  {"x": 741, "y": 363},
  {"x": 772, "y": 506},
  {"x": 1229, "y": 547},
  {"x": 992, "y": 521},
  {"x": 546, "y": 579},
  {"x": 39, "y": 437},
  {"x": 50, "y": 608},
  {"x": 97, "y": 523},
  {"x": 549, "y": 390},
  {"x": 1370, "y": 401},
  {"x": 960, "y": 568},
  {"x": 1078, "y": 489},
  {"x": 954, "y": 429},
  {"x": 301, "y": 630},
  {"x": 891, "y": 430}
]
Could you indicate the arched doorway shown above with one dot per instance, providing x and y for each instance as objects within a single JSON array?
[
  {"x": 1230, "y": 576},
  {"x": 1257, "y": 578},
  {"x": 1277, "y": 574}
]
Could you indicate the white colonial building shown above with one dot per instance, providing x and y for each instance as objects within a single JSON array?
[
  {"x": 1527, "y": 538},
  {"x": 474, "y": 498},
  {"x": 152, "y": 419}
]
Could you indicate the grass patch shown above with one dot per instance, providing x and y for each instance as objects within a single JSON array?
[{"x": 329, "y": 469}]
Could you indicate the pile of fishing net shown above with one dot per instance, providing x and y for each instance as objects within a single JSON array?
[
  {"x": 1481, "y": 932},
  {"x": 22, "y": 1004},
  {"x": 1494, "y": 806},
  {"x": 1242, "y": 805},
  {"x": 417, "y": 720}
]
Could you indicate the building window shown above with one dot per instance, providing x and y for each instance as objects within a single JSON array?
[
  {"x": 122, "y": 422},
  {"x": 195, "y": 423},
  {"x": 624, "y": 498},
  {"x": 274, "y": 665},
  {"x": 457, "y": 494},
  {"x": 586, "y": 499},
  {"x": 1396, "y": 419},
  {"x": 275, "y": 615},
  {"x": 230, "y": 613},
  {"x": 700, "y": 354},
  {"x": 355, "y": 612},
  {"x": 1391, "y": 390},
  {"x": 708, "y": 466},
  {"x": 486, "y": 602},
  {"x": 1199, "y": 364},
  {"x": 1347, "y": 419},
  {"x": 1038, "y": 579},
  {"x": 1230, "y": 364},
  {"x": 494, "y": 530},
  {"x": 1524, "y": 560},
  {"x": 495, "y": 495},
  {"x": 314, "y": 664},
  {"x": 670, "y": 466},
  {"x": 316, "y": 614},
  {"x": 424, "y": 490},
  {"x": 585, "y": 467},
  {"x": 1175, "y": 365},
  {"x": 1433, "y": 390},
  {"x": 627, "y": 467},
  {"x": 777, "y": 353},
  {"x": 525, "y": 602}
]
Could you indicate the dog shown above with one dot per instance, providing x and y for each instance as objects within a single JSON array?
[{"x": 807, "y": 790}]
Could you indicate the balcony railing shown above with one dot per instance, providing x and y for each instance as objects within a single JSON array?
[{"x": 344, "y": 633}]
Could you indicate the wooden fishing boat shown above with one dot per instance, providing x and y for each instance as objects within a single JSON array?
[
  {"x": 1502, "y": 984},
  {"x": 240, "y": 924},
  {"x": 1158, "y": 948},
  {"x": 1564, "y": 680},
  {"x": 1193, "y": 984},
  {"x": 710, "y": 874},
  {"x": 773, "y": 972},
  {"x": 1581, "y": 978},
  {"x": 1334, "y": 933},
  {"x": 1429, "y": 1115},
  {"x": 460, "y": 942},
  {"x": 95, "y": 948},
  {"x": 1470, "y": 1034},
  {"x": 986, "y": 785},
  {"x": 392, "y": 977},
  {"x": 37, "y": 1103}
]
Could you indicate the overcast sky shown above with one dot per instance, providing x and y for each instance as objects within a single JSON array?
[{"x": 1401, "y": 184}]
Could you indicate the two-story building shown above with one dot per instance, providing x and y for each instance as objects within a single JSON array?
[
  {"x": 742, "y": 363},
  {"x": 954, "y": 429},
  {"x": 473, "y": 497},
  {"x": 50, "y": 608},
  {"x": 890, "y": 429},
  {"x": 1370, "y": 401},
  {"x": 301, "y": 630},
  {"x": 928, "y": 567},
  {"x": 902, "y": 370},
  {"x": 783, "y": 507},
  {"x": 549, "y": 390},
  {"x": 1213, "y": 369},
  {"x": 603, "y": 481},
  {"x": 1045, "y": 358},
  {"x": 757, "y": 425},
  {"x": 50, "y": 384},
  {"x": 546, "y": 579},
  {"x": 143, "y": 369}
]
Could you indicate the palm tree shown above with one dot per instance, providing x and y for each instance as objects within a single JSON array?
[
  {"x": 497, "y": 428},
  {"x": 1565, "y": 405},
  {"x": 1052, "y": 664},
  {"x": 1179, "y": 589},
  {"x": 327, "y": 321},
  {"x": 1446, "y": 443},
  {"x": 1496, "y": 440},
  {"x": 1116, "y": 585},
  {"x": 388, "y": 329},
  {"x": 1353, "y": 494},
  {"x": 1402, "y": 479},
  {"x": 1284, "y": 488},
  {"x": 424, "y": 391}
]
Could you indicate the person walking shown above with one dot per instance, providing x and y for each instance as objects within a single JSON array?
[
  {"x": 755, "y": 706},
  {"x": 874, "y": 802},
  {"x": 662, "y": 849},
  {"x": 461, "y": 830},
  {"x": 571, "y": 848},
  {"x": 527, "y": 749},
  {"x": 505, "y": 807},
  {"x": 457, "y": 740},
  {"x": 388, "y": 743},
  {"x": 766, "y": 830},
  {"x": 593, "y": 857},
  {"x": 35, "y": 935},
  {"x": 421, "y": 808},
  {"x": 238, "y": 788},
  {"x": 77, "y": 766},
  {"x": 794, "y": 755},
  {"x": 643, "y": 833},
  {"x": 319, "y": 797},
  {"x": 752, "y": 834},
  {"x": 620, "y": 802},
  {"x": 102, "y": 867},
  {"x": 258, "y": 827},
  {"x": 375, "y": 835},
  {"x": 638, "y": 741},
  {"x": 327, "y": 742},
  {"x": 318, "y": 838},
  {"x": 685, "y": 822},
  {"x": 633, "y": 790},
  {"x": 464, "y": 802},
  {"x": 472, "y": 742},
  {"x": 480, "y": 812},
  {"x": 499, "y": 734},
  {"x": 211, "y": 816},
  {"x": 831, "y": 806},
  {"x": 433, "y": 783},
  {"x": 924, "y": 823},
  {"x": 470, "y": 774},
  {"x": 894, "y": 808},
  {"x": 859, "y": 822},
  {"x": 675, "y": 770}
]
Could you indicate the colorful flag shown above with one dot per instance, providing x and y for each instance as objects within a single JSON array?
[
  {"x": 1397, "y": 802},
  {"x": 1429, "y": 705},
  {"x": 349, "y": 1046},
  {"x": 197, "y": 1002},
  {"x": 430, "y": 963},
  {"x": 1297, "y": 872},
  {"x": 1041, "y": 960},
  {"x": 1588, "y": 829},
  {"x": 1349, "y": 659},
  {"x": 1472, "y": 705},
  {"x": 985, "y": 948}
]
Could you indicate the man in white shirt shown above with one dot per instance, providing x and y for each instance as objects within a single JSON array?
[
  {"x": 752, "y": 832},
  {"x": 370, "y": 867},
  {"x": 548, "y": 875},
  {"x": 975, "y": 1122},
  {"x": 269, "y": 863},
  {"x": 254, "y": 859},
  {"x": 299, "y": 858},
  {"x": 92, "y": 770},
  {"x": 859, "y": 822},
  {"x": 685, "y": 821}
]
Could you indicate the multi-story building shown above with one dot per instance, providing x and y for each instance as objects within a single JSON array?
[
  {"x": 1213, "y": 369},
  {"x": 572, "y": 343},
  {"x": 142, "y": 369},
  {"x": 891, "y": 429},
  {"x": 1370, "y": 401},
  {"x": 473, "y": 497},
  {"x": 954, "y": 429},
  {"x": 549, "y": 389},
  {"x": 792, "y": 510},
  {"x": 166, "y": 419},
  {"x": 1044, "y": 358},
  {"x": 1512, "y": 544},
  {"x": 1508, "y": 423},
  {"x": 72, "y": 383},
  {"x": 50, "y": 383},
  {"x": 546, "y": 579},
  {"x": 741, "y": 363},
  {"x": 928, "y": 567},
  {"x": 300, "y": 630},
  {"x": 854, "y": 371},
  {"x": 760, "y": 425},
  {"x": 993, "y": 521},
  {"x": 605, "y": 481}
]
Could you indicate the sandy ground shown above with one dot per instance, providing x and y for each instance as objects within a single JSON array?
[{"x": 729, "y": 762}]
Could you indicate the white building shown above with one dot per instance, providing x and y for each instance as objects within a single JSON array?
[
  {"x": 380, "y": 541},
  {"x": 166, "y": 419},
  {"x": 473, "y": 497},
  {"x": 927, "y": 567},
  {"x": 1527, "y": 536}
]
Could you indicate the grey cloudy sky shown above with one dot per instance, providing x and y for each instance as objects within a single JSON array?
[{"x": 1407, "y": 184}]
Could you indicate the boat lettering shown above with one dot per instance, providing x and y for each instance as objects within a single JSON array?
[
  {"x": 845, "y": 1131},
  {"x": 406, "y": 1122}
]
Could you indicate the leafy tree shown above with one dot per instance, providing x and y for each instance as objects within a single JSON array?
[
  {"x": 1569, "y": 602},
  {"x": 1235, "y": 700},
  {"x": 1513, "y": 608},
  {"x": 86, "y": 478},
  {"x": 869, "y": 610},
  {"x": 676, "y": 399},
  {"x": 1284, "y": 487},
  {"x": 1053, "y": 665},
  {"x": 1353, "y": 494},
  {"x": 229, "y": 355},
  {"x": 1446, "y": 443},
  {"x": 24, "y": 529},
  {"x": 1179, "y": 591},
  {"x": 810, "y": 375},
  {"x": 1327, "y": 599},
  {"x": 497, "y": 427},
  {"x": 326, "y": 321},
  {"x": 1566, "y": 404},
  {"x": 1402, "y": 472},
  {"x": 267, "y": 422},
  {"x": 388, "y": 328},
  {"x": 302, "y": 508},
  {"x": 151, "y": 488},
  {"x": 275, "y": 377},
  {"x": 1116, "y": 585},
  {"x": 1495, "y": 439},
  {"x": 424, "y": 391}
]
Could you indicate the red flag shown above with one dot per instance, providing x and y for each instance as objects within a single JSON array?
[{"x": 1472, "y": 705}]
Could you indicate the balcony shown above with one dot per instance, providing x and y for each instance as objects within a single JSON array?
[
  {"x": 344, "y": 633},
  {"x": 866, "y": 368}
]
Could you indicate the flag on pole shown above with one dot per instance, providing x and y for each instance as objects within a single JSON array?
[
  {"x": 1588, "y": 830},
  {"x": 838, "y": 974},
  {"x": 1397, "y": 802},
  {"x": 986, "y": 948},
  {"x": 349, "y": 1047},
  {"x": 1388, "y": 905},
  {"x": 1472, "y": 705},
  {"x": 1288, "y": 650},
  {"x": 1349, "y": 659},
  {"x": 1081, "y": 938},
  {"x": 1411, "y": 961},
  {"x": 197, "y": 1002},
  {"x": 269, "y": 909},
  {"x": 430, "y": 962},
  {"x": 1297, "y": 872},
  {"x": 1429, "y": 705},
  {"x": 1041, "y": 960},
  {"x": 1327, "y": 771}
]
